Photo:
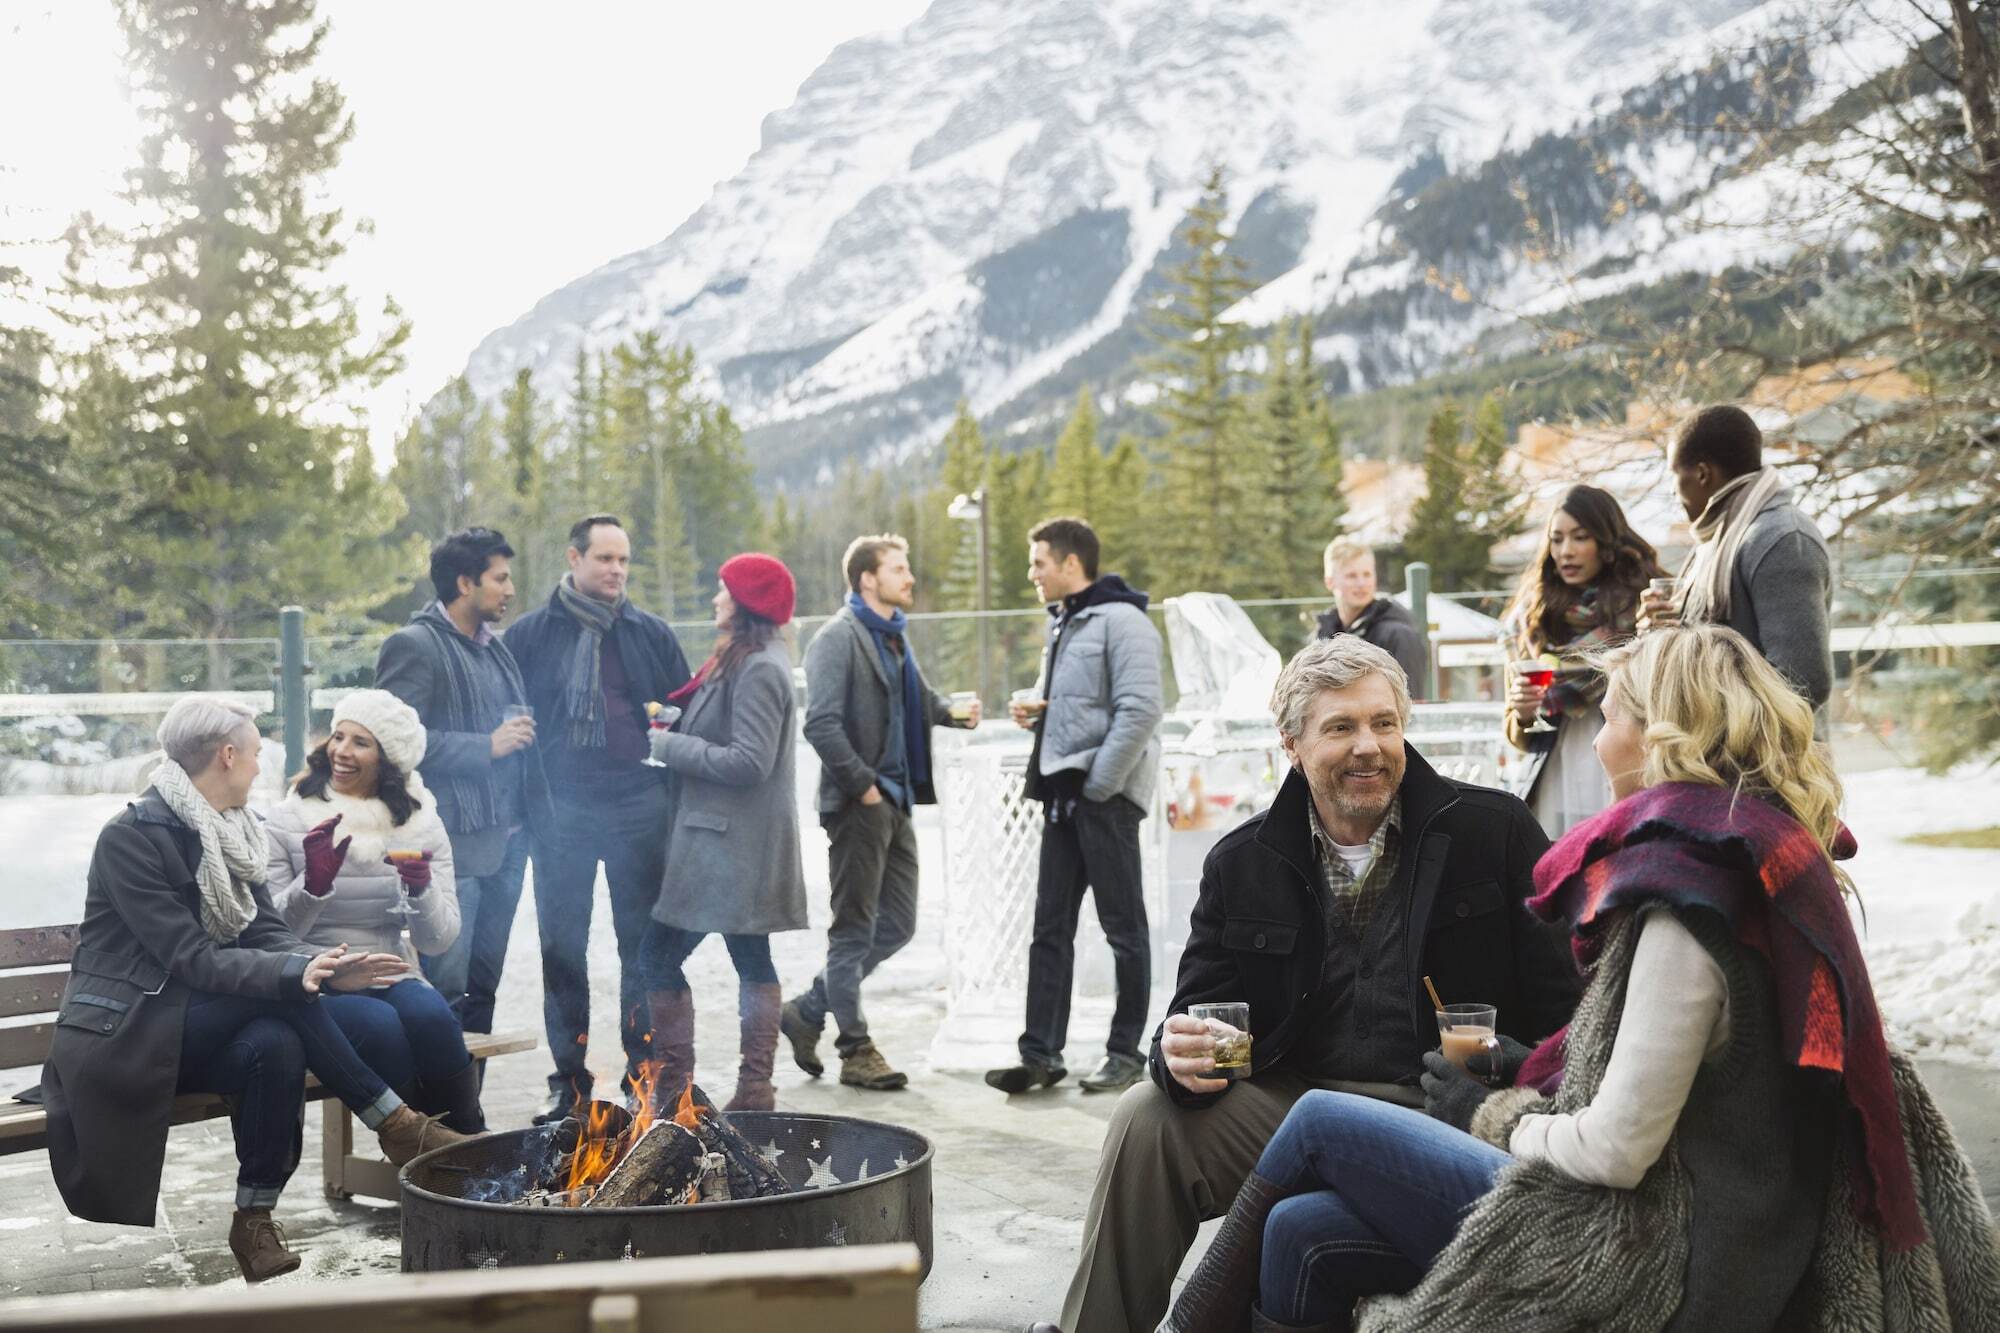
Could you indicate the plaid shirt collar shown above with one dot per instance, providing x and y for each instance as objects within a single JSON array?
[{"x": 1340, "y": 879}]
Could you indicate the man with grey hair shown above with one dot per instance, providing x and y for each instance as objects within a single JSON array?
[{"x": 1325, "y": 913}]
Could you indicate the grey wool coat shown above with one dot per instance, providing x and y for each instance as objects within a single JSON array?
[
  {"x": 733, "y": 864},
  {"x": 848, "y": 711}
]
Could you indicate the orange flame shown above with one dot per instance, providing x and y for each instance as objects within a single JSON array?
[{"x": 599, "y": 1150}]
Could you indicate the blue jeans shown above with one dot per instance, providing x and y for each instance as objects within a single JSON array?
[
  {"x": 667, "y": 947},
  {"x": 468, "y": 973},
  {"x": 405, "y": 1032},
  {"x": 257, "y": 1052},
  {"x": 1377, "y": 1192}
]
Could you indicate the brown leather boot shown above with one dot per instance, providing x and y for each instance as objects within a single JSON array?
[
  {"x": 672, "y": 1013},
  {"x": 1223, "y": 1287},
  {"x": 758, "y": 1008},
  {"x": 406, "y": 1133},
  {"x": 259, "y": 1245}
]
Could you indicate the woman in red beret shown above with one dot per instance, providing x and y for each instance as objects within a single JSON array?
[{"x": 733, "y": 864}]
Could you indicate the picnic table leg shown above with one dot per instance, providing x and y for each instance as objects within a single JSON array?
[{"x": 336, "y": 1146}]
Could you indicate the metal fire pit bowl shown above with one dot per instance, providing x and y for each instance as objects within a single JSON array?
[{"x": 859, "y": 1182}]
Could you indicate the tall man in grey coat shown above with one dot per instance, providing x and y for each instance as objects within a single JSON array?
[
  {"x": 1759, "y": 565},
  {"x": 448, "y": 664},
  {"x": 1093, "y": 767},
  {"x": 869, "y": 714}
]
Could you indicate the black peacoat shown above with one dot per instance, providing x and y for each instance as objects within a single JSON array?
[{"x": 108, "y": 1087}]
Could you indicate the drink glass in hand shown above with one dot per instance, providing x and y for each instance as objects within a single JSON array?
[
  {"x": 961, "y": 705},
  {"x": 1026, "y": 705},
  {"x": 1660, "y": 603},
  {"x": 509, "y": 712},
  {"x": 1466, "y": 1029},
  {"x": 1541, "y": 675},
  {"x": 1229, "y": 1024}
]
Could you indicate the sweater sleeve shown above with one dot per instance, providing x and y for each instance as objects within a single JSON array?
[{"x": 1675, "y": 1016}]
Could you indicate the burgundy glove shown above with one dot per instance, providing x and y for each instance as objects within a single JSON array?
[
  {"x": 323, "y": 859},
  {"x": 415, "y": 873}
]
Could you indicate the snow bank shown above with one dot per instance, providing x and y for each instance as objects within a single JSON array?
[{"x": 1941, "y": 997}]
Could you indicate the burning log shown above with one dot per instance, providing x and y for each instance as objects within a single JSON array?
[
  {"x": 664, "y": 1165},
  {"x": 750, "y": 1174}
]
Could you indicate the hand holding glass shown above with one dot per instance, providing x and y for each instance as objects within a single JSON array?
[
  {"x": 1466, "y": 1029},
  {"x": 1229, "y": 1024},
  {"x": 1540, "y": 674}
]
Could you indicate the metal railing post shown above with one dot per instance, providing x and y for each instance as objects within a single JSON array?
[
  {"x": 1417, "y": 578},
  {"x": 294, "y": 710}
]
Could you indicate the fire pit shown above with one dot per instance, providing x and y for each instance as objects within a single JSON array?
[{"x": 500, "y": 1200}]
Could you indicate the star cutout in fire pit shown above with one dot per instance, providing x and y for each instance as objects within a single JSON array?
[
  {"x": 771, "y": 1152},
  {"x": 901, "y": 1161},
  {"x": 836, "y": 1234},
  {"x": 486, "y": 1258},
  {"x": 822, "y": 1173},
  {"x": 862, "y": 1174}
]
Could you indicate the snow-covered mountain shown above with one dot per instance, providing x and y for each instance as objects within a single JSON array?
[{"x": 980, "y": 205}]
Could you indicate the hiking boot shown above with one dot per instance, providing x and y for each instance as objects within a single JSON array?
[
  {"x": 1117, "y": 1073},
  {"x": 864, "y": 1067},
  {"x": 406, "y": 1133},
  {"x": 804, "y": 1037},
  {"x": 259, "y": 1245},
  {"x": 1023, "y": 1077}
]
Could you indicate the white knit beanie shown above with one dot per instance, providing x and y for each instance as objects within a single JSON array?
[{"x": 394, "y": 724}]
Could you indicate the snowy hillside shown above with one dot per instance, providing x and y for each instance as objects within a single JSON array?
[{"x": 980, "y": 205}]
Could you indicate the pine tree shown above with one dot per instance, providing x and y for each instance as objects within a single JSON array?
[
  {"x": 40, "y": 496},
  {"x": 524, "y": 517},
  {"x": 650, "y": 438},
  {"x": 1468, "y": 505},
  {"x": 1076, "y": 476},
  {"x": 241, "y": 344},
  {"x": 1206, "y": 529},
  {"x": 1297, "y": 472}
]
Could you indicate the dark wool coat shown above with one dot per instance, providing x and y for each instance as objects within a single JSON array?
[
  {"x": 848, "y": 710},
  {"x": 1466, "y": 870},
  {"x": 1388, "y": 625},
  {"x": 108, "y": 1086}
]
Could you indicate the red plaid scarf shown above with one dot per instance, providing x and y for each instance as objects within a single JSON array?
[{"x": 1694, "y": 846}]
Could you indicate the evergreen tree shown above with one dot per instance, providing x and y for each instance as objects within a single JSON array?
[
  {"x": 1468, "y": 505},
  {"x": 650, "y": 439},
  {"x": 242, "y": 346},
  {"x": 1076, "y": 476},
  {"x": 1121, "y": 518},
  {"x": 1206, "y": 530},
  {"x": 446, "y": 464},
  {"x": 42, "y": 503},
  {"x": 1297, "y": 471},
  {"x": 524, "y": 515}
]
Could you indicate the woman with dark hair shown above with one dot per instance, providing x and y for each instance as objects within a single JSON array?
[
  {"x": 358, "y": 855},
  {"x": 1581, "y": 595},
  {"x": 733, "y": 864}
]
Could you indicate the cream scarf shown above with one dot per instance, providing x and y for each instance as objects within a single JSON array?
[
  {"x": 233, "y": 853},
  {"x": 1719, "y": 534}
]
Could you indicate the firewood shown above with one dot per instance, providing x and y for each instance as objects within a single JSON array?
[
  {"x": 751, "y": 1174},
  {"x": 662, "y": 1167}
]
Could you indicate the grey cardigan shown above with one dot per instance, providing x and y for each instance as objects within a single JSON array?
[
  {"x": 733, "y": 864},
  {"x": 1105, "y": 702},
  {"x": 1780, "y": 593},
  {"x": 848, "y": 710}
]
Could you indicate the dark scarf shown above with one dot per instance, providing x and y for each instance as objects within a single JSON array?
[
  {"x": 468, "y": 708},
  {"x": 891, "y": 634},
  {"x": 584, "y": 691},
  {"x": 1694, "y": 846},
  {"x": 1578, "y": 686}
]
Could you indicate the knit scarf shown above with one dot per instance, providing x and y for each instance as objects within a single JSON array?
[
  {"x": 233, "y": 853},
  {"x": 916, "y": 735},
  {"x": 469, "y": 709},
  {"x": 585, "y": 689},
  {"x": 1578, "y": 686},
  {"x": 1690, "y": 845},
  {"x": 1719, "y": 534}
]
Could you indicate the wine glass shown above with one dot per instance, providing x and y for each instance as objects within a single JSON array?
[{"x": 1541, "y": 674}]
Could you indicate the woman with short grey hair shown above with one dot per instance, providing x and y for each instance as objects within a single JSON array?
[{"x": 186, "y": 980}]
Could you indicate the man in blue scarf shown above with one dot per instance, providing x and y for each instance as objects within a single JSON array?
[{"x": 869, "y": 715}]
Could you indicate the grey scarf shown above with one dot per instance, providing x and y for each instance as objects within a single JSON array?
[
  {"x": 1719, "y": 534},
  {"x": 233, "y": 853},
  {"x": 585, "y": 690}
]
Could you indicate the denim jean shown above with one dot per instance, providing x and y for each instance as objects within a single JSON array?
[
  {"x": 667, "y": 947},
  {"x": 624, "y": 825},
  {"x": 257, "y": 1052},
  {"x": 1096, "y": 849},
  {"x": 468, "y": 973},
  {"x": 405, "y": 1032},
  {"x": 1376, "y": 1193}
]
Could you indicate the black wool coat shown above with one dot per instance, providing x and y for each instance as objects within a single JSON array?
[
  {"x": 1258, "y": 931},
  {"x": 114, "y": 1063}
]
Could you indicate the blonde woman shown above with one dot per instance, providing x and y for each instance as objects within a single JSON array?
[{"x": 1721, "y": 1139}]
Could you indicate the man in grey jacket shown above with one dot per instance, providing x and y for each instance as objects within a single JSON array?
[
  {"x": 1093, "y": 766},
  {"x": 1759, "y": 565},
  {"x": 869, "y": 714}
]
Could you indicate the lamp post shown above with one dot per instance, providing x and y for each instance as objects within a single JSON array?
[{"x": 972, "y": 509}]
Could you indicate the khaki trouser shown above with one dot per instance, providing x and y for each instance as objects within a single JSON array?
[{"x": 1165, "y": 1170}]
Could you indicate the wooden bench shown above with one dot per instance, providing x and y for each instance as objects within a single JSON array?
[
  {"x": 33, "y": 971},
  {"x": 861, "y": 1289}
]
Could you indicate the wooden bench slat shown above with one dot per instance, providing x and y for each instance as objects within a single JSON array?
[
  {"x": 25, "y": 1045},
  {"x": 31, "y": 993},
  {"x": 37, "y": 946}
]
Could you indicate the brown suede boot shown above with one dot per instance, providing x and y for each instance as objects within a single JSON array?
[
  {"x": 673, "y": 1043},
  {"x": 259, "y": 1245},
  {"x": 758, "y": 1008},
  {"x": 1223, "y": 1287},
  {"x": 406, "y": 1133}
]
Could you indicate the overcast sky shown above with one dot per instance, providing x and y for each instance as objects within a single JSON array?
[{"x": 502, "y": 147}]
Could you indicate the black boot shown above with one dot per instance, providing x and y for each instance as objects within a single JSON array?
[
  {"x": 457, "y": 1099},
  {"x": 1219, "y": 1295}
]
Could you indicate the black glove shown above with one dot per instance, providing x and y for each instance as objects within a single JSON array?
[
  {"x": 1451, "y": 1094},
  {"x": 1512, "y": 1056}
]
